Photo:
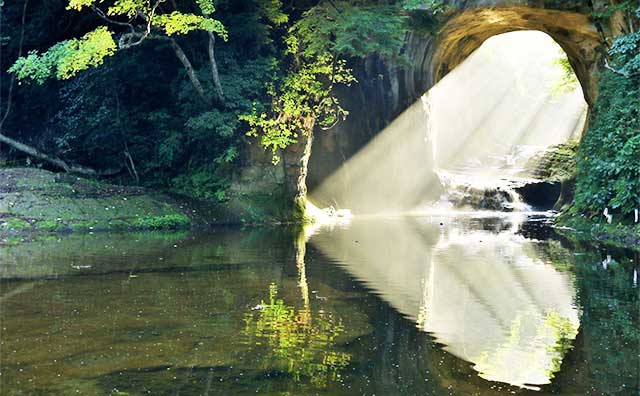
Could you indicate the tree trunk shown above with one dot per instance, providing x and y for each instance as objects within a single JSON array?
[
  {"x": 190, "y": 71},
  {"x": 13, "y": 77},
  {"x": 215, "y": 77},
  {"x": 295, "y": 160}
]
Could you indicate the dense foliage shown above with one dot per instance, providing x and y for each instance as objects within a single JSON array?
[
  {"x": 139, "y": 112},
  {"x": 609, "y": 160},
  {"x": 133, "y": 88},
  {"x": 143, "y": 90}
]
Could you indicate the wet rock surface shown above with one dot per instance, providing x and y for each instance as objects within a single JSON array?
[
  {"x": 495, "y": 199},
  {"x": 558, "y": 163}
]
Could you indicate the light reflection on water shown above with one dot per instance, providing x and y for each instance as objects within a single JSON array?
[
  {"x": 487, "y": 296},
  {"x": 400, "y": 306}
]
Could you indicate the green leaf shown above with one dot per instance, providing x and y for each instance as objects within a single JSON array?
[
  {"x": 179, "y": 23},
  {"x": 67, "y": 58}
]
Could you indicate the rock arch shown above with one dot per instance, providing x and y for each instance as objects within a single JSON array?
[{"x": 573, "y": 31}]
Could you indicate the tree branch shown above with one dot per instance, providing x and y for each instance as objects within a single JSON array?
[
  {"x": 133, "y": 39},
  {"x": 191, "y": 73},
  {"x": 57, "y": 162},
  {"x": 104, "y": 16},
  {"x": 616, "y": 71},
  {"x": 151, "y": 15},
  {"x": 215, "y": 77},
  {"x": 13, "y": 76},
  {"x": 131, "y": 166},
  {"x": 129, "y": 40}
]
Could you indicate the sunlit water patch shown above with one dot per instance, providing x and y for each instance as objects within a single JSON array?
[{"x": 488, "y": 296}]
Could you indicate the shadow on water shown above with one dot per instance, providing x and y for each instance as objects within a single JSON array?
[{"x": 398, "y": 306}]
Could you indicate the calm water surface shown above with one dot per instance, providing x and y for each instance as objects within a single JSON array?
[{"x": 399, "y": 306}]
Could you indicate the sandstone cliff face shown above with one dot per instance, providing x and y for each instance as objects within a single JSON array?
[{"x": 385, "y": 90}]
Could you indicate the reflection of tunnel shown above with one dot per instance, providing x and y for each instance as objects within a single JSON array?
[
  {"x": 488, "y": 297},
  {"x": 385, "y": 91}
]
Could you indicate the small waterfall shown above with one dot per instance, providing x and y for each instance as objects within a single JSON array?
[
  {"x": 465, "y": 192},
  {"x": 490, "y": 183}
]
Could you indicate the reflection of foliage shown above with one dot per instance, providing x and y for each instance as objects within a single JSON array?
[
  {"x": 559, "y": 256},
  {"x": 563, "y": 332},
  {"x": 610, "y": 322},
  {"x": 544, "y": 346},
  {"x": 301, "y": 342}
]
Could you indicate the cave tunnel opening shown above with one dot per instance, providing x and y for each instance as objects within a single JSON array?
[{"x": 486, "y": 136}]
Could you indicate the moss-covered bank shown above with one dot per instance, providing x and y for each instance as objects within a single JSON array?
[
  {"x": 35, "y": 200},
  {"x": 38, "y": 200}
]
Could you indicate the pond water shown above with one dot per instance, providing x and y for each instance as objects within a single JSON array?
[{"x": 454, "y": 305}]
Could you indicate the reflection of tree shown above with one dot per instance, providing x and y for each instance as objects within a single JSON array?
[
  {"x": 563, "y": 332},
  {"x": 544, "y": 350},
  {"x": 611, "y": 323},
  {"x": 303, "y": 343}
]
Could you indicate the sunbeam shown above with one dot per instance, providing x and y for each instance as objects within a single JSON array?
[{"x": 478, "y": 126}]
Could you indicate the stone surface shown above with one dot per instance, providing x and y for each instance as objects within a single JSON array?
[
  {"x": 576, "y": 34},
  {"x": 556, "y": 164}
]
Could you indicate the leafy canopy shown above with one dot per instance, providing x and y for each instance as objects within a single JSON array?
[
  {"x": 142, "y": 18},
  {"x": 67, "y": 58},
  {"x": 626, "y": 50},
  {"x": 272, "y": 11},
  {"x": 350, "y": 31},
  {"x": 568, "y": 81}
]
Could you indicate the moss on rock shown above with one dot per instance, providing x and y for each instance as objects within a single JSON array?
[
  {"x": 556, "y": 164},
  {"x": 38, "y": 200},
  {"x": 35, "y": 200}
]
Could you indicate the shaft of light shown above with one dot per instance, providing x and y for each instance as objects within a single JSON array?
[{"x": 481, "y": 123}]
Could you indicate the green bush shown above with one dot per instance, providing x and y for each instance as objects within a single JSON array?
[
  {"x": 50, "y": 226},
  {"x": 167, "y": 222},
  {"x": 609, "y": 157}
]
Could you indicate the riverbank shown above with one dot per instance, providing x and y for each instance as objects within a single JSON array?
[
  {"x": 613, "y": 235},
  {"x": 36, "y": 200},
  {"x": 39, "y": 200}
]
